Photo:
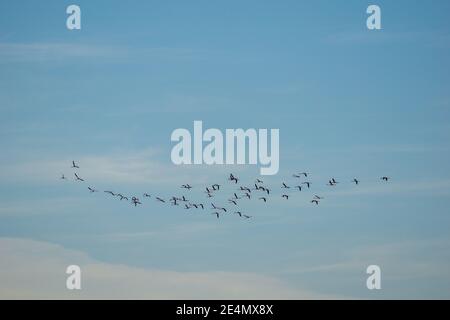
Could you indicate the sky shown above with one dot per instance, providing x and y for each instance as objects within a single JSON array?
[{"x": 349, "y": 102}]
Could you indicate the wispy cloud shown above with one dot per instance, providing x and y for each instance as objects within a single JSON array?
[
  {"x": 36, "y": 270},
  {"x": 58, "y": 51}
]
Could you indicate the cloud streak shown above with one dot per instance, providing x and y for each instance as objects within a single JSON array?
[{"x": 36, "y": 270}]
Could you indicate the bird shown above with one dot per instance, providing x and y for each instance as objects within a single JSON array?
[
  {"x": 246, "y": 216},
  {"x": 186, "y": 186},
  {"x": 285, "y": 186},
  {"x": 246, "y": 189},
  {"x": 233, "y": 202},
  {"x": 78, "y": 178},
  {"x": 317, "y": 197},
  {"x": 218, "y": 208},
  {"x": 160, "y": 200},
  {"x": 135, "y": 201},
  {"x": 304, "y": 173},
  {"x": 259, "y": 181},
  {"x": 122, "y": 196},
  {"x": 299, "y": 188},
  {"x": 285, "y": 196},
  {"x": 110, "y": 192},
  {"x": 356, "y": 181},
  {"x": 247, "y": 195},
  {"x": 267, "y": 190},
  {"x": 233, "y": 178},
  {"x": 330, "y": 183},
  {"x": 236, "y": 196},
  {"x": 296, "y": 175},
  {"x": 216, "y": 186},
  {"x": 146, "y": 195},
  {"x": 263, "y": 198},
  {"x": 239, "y": 213},
  {"x": 92, "y": 190},
  {"x": 63, "y": 177},
  {"x": 216, "y": 213},
  {"x": 315, "y": 201},
  {"x": 308, "y": 184},
  {"x": 186, "y": 206},
  {"x": 74, "y": 165},
  {"x": 201, "y": 205},
  {"x": 385, "y": 178},
  {"x": 334, "y": 181}
]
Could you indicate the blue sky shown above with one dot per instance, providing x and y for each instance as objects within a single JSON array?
[{"x": 349, "y": 102}]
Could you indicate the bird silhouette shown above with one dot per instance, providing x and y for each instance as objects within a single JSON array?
[
  {"x": 78, "y": 178},
  {"x": 233, "y": 178},
  {"x": 216, "y": 213},
  {"x": 74, "y": 165}
]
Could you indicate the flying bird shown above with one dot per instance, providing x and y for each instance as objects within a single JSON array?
[
  {"x": 308, "y": 184},
  {"x": 160, "y": 200},
  {"x": 92, "y": 190},
  {"x": 385, "y": 178},
  {"x": 356, "y": 181},
  {"x": 110, "y": 192},
  {"x": 285, "y": 186},
  {"x": 74, "y": 165},
  {"x": 263, "y": 198},
  {"x": 216, "y": 213},
  {"x": 299, "y": 188},
  {"x": 78, "y": 178},
  {"x": 285, "y": 196},
  {"x": 315, "y": 201},
  {"x": 63, "y": 177},
  {"x": 186, "y": 186},
  {"x": 218, "y": 208},
  {"x": 233, "y": 178}
]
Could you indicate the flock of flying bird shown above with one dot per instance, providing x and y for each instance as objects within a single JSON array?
[{"x": 258, "y": 191}]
